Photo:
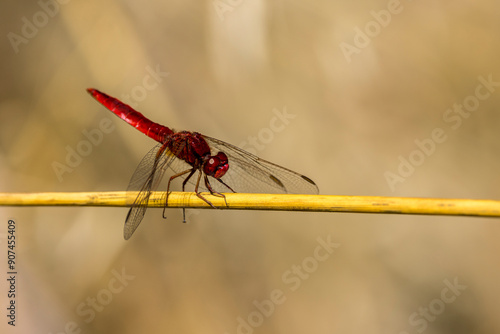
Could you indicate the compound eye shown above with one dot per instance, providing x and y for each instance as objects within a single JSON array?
[
  {"x": 212, "y": 163},
  {"x": 222, "y": 157},
  {"x": 216, "y": 165}
]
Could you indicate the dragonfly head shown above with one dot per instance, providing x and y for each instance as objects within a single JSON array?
[{"x": 216, "y": 165}]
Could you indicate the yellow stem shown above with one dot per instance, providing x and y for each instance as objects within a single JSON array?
[{"x": 284, "y": 202}]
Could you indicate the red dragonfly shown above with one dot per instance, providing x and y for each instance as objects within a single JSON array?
[{"x": 185, "y": 152}]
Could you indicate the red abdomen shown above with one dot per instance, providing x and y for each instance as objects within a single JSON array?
[{"x": 151, "y": 129}]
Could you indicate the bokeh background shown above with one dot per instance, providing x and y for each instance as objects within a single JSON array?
[{"x": 225, "y": 68}]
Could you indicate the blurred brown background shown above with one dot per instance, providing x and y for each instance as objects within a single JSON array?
[{"x": 364, "y": 81}]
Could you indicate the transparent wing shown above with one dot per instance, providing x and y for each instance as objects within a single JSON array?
[
  {"x": 146, "y": 179},
  {"x": 249, "y": 173}
]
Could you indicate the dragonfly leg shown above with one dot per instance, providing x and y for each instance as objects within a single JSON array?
[
  {"x": 168, "y": 188},
  {"x": 188, "y": 177},
  {"x": 199, "y": 194},
  {"x": 213, "y": 192},
  {"x": 183, "y": 186},
  {"x": 228, "y": 187}
]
